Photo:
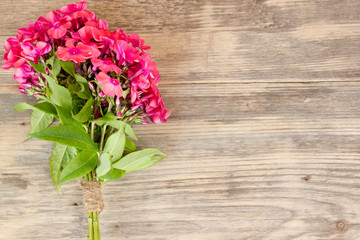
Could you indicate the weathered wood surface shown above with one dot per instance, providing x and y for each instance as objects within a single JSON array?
[{"x": 263, "y": 141}]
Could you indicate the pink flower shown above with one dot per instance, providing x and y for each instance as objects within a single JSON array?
[
  {"x": 149, "y": 67},
  {"x": 125, "y": 52},
  {"x": 160, "y": 116},
  {"x": 32, "y": 52},
  {"x": 85, "y": 34},
  {"x": 84, "y": 15},
  {"x": 110, "y": 86},
  {"x": 119, "y": 35},
  {"x": 26, "y": 74},
  {"x": 26, "y": 34},
  {"x": 59, "y": 26},
  {"x": 149, "y": 100},
  {"x": 12, "y": 57},
  {"x": 141, "y": 82},
  {"x": 136, "y": 41},
  {"x": 78, "y": 53},
  {"x": 106, "y": 65},
  {"x": 73, "y": 8}
]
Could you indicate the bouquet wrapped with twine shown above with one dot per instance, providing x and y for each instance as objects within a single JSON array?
[{"x": 92, "y": 85}]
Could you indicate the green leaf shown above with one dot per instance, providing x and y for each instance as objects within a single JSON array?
[
  {"x": 45, "y": 107},
  {"x": 104, "y": 164},
  {"x": 139, "y": 160},
  {"x": 85, "y": 112},
  {"x": 105, "y": 119},
  {"x": 84, "y": 84},
  {"x": 81, "y": 79},
  {"x": 40, "y": 120},
  {"x": 59, "y": 94},
  {"x": 115, "y": 145},
  {"x": 38, "y": 67},
  {"x": 62, "y": 154},
  {"x": 105, "y": 171},
  {"x": 79, "y": 166},
  {"x": 125, "y": 93},
  {"x": 66, "y": 117},
  {"x": 68, "y": 66},
  {"x": 129, "y": 145},
  {"x": 112, "y": 121},
  {"x": 68, "y": 135},
  {"x": 56, "y": 68},
  {"x": 120, "y": 124},
  {"x": 113, "y": 174},
  {"x": 22, "y": 106}
]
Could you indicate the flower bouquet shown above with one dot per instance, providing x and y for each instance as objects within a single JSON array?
[{"x": 91, "y": 84}]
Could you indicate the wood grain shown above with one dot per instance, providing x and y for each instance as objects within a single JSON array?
[{"x": 263, "y": 141}]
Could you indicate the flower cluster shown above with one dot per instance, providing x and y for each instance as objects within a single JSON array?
[{"x": 112, "y": 60}]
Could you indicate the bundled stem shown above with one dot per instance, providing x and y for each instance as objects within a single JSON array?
[
  {"x": 93, "y": 216},
  {"x": 93, "y": 219}
]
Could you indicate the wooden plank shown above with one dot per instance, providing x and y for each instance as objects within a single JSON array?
[{"x": 263, "y": 141}]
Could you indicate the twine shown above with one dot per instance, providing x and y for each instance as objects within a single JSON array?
[{"x": 93, "y": 199}]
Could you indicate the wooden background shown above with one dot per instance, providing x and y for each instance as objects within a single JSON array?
[{"x": 263, "y": 141}]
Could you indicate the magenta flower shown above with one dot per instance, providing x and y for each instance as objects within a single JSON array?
[
  {"x": 57, "y": 25},
  {"x": 149, "y": 67},
  {"x": 83, "y": 14},
  {"x": 106, "y": 65},
  {"x": 12, "y": 57},
  {"x": 125, "y": 52},
  {"x": 26, "y": 76},
  {"x": 78, "y": 53},
  {"x": 141, "y": 82},
  {"x": 160, "y": 116},
  {"x": 27, "y": 34},
  {"x": 73, "y": 8},
  {"x": 110, "y": 86},
  {"x": 85, "y": 34},
  {"x": 59, "y": 29},
  {"x": 32, "y": 52},
  {"x": 150, "y": 101},
  {"x": 136, "y": 41}
]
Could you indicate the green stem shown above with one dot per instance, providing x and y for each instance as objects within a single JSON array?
[
  {"x": 103, "y": 131},
  {"x": 96, "y": 226},
  {"x": 91, "y": 226},
  {"x": 92, "y": 131}
]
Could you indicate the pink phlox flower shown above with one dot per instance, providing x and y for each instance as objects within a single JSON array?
[
  {"x": 33, "y": 51},
  {"x": 136, "y": 41},
  {"x": 85, "y": 34},
  {"x": 78, "y": 53},
  {"x": 125, "y": 52},
  {"x": 102, "y": 24},
  {"x": 151, "y": 102},
  {"x": 141, "y": 82},
  {"x": 41, "y": 27},
  {"x": 110, "y": 86},
  {"x": 58, "y": 28},
  {"x": 25, "y": 75},
  {"x": 12, "y": 57},
  {"x": 26, "y": 34},
  {"x": 148, "y": 66},
  {"x": 160, "y": 116},
  {"x": 84, "y": 15},
  {"x": 106, "y": 65},
  {"x": 134, "y": 94},
  {"x": 119, "y": 34},
  {"x": 73, "y": 7},
  {"x": 51, "y": 17}
]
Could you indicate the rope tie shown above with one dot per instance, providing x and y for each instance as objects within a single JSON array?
[{"x": 93, "y": 199}]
